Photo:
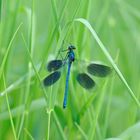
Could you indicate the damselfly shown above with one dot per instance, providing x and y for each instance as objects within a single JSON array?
[{"x": 83, "y": 79}]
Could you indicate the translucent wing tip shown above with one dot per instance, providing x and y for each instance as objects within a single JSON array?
[
  {"x": 85, "y": 81},
  {"x": 52, "y": 78},
  {"x": 54, "y": 65},
  {"x": 99, "y": 70}
]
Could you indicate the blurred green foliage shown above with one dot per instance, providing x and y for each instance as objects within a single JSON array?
[{"x": 106, "y": 112}]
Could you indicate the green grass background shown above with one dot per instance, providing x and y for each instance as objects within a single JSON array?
[{"x": 32, "y": 32}]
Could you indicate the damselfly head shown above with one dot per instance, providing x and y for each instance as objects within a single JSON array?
[{"x": 71, "y": 47}]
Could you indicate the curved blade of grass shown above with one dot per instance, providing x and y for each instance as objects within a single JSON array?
[
  {"x": 106, "y": 53},
  {"x": 98, "y": 110},
  {"x": 35, "y": 70},
  {"x": 29, "y": 134},
  {"x": 14, "y": 19},
  {"x": 60, "y": 116},
  {"x": 108, "y": 108},
  {"x": 35, "y": 105},
  {"x": 87, "y": 105},
  {"x": 8, "y": 49},
  {"x": 21, "y": 80},
  {"x": 30, "y": 53},
  {"x": 54, "y": 31},
  {"x": 81, "y": 131},
  {"x": 49, "y": 121},
  {"x": 131, "y": 132},
  {"x": 59, "y": 126},
  {"x": 9, "y": 111}
]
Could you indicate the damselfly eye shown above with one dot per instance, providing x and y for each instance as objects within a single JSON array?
[{"x": 71, "y": 47}]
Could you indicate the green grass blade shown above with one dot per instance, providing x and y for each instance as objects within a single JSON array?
[
  {"x": 131, "y": 132},
  {"x": 110, "y": 94},
  {"x": 28, "y": 133},
  {"x": 18, "y": 82},
  {"x": 35, "y": 70},
  {"x": 106, "y": 53},
  {"x": 55, "y": 30},
  {"x": 59, "y": 127},
  {"x": 49, "y": 112},
  {"x": 87, "y": 105},
  {"x": 9, "y": 111},
  {"x": 34, "y": 106},
  {"x": 0, "y": 9},
  {"x": 8, "y": 49},
  {"x": 98, "y": 110},
  {"x": 81, "y": 131}
]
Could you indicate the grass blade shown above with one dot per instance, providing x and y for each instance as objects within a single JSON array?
[
  {"x": 8, "y": 49},
  {"x": 106, "y": 53},
  {"x": 9, "y": 111}
]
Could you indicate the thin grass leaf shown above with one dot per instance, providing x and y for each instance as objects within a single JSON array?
[
  {"x": 54, "y": 32},
  {"x": 61, "y": 116},
  {"x": 0, "y": 10},
  {"x": 59, "y": 126},
  {"x": 35, "y": 70},
  {"x": 9, "y": 111},
  {"x": 81, "y": 131},
  {"x": 8, "y": 49},
  {"x": 27, "y": 100},
  {"x": 99, "y": 105},
  {"x": 131, "y": 133},
  {"x": 20, "y": 81},
  {"x": 106, "y": 53},
  {"x": 49, "y": 111},
  {"x": 86, "y": 105},
  {"x": 29, "y": 134},
  {"x": 108, "y": 108},
  {"x": 35, "y": 105}
]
